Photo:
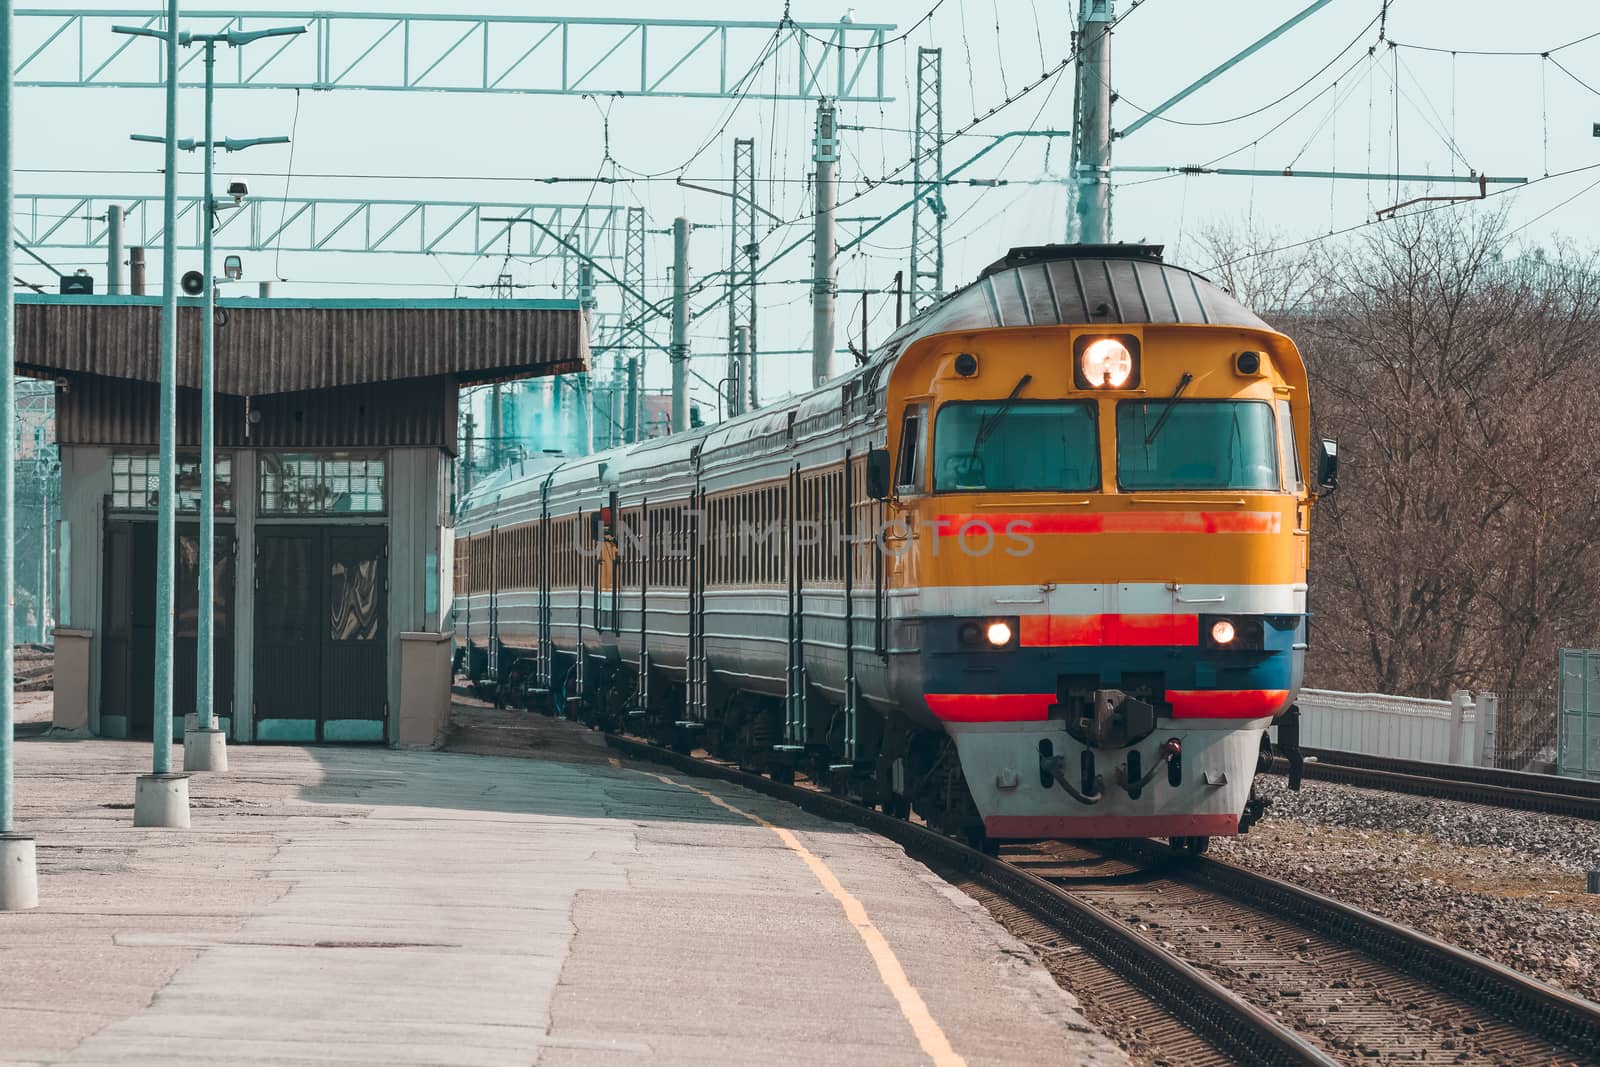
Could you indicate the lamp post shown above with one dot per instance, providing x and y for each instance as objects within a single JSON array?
[
  {"x": 207, "y": 749},
  {"x": 161, "y": 798},
  {"x": 19, "y": 873}
]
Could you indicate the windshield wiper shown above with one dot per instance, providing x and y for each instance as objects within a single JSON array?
[
  {"x": 987, "y": 427},
  {"x": 1183, "y": 383}
]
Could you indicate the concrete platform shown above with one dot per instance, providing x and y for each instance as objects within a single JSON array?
[{"x": 368, "y": 906}]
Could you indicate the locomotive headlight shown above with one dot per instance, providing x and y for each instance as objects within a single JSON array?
[
  {"x": 1107, "y": 362},
  {"x": 1222, "y": 632},
  {"x": 998, "y": 633}
]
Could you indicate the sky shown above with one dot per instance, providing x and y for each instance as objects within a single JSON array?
[{"x": 1316, "y": 99}]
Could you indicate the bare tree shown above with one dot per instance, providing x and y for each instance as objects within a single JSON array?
[{"x": 1460, "y": 378}]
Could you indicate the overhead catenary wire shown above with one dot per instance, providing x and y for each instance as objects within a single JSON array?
[
  {"x": 1568, "y": 73},
  {"x": 1122, "y": 99},
  {"x": 913, "y": 28},
  {"x": 715, "y": 277},
  {"x": 1366, "y": 223},
  {"x": 288, "y": 182},
  {"x": 1495, "y": 51}
]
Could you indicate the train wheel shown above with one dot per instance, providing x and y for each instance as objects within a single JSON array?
[
  {"x": 1189, "y": 846},
  {"x": 978, "y": 839},
  {"x": 783, "y": 774}
]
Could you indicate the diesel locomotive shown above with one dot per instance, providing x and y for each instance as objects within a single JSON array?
[{"x": 1036, "y": 568}]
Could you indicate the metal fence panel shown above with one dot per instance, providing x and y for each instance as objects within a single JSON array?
[{"x": 1578, "y": 737}]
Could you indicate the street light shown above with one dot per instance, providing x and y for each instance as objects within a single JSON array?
[
  {"x": 207, "y": 749},
  {"x": 19, "y": 873},
  {"x": 161, "y": 798}
]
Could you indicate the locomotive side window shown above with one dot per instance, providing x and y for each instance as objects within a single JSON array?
[
  {"x": 1291, "y": 447},
  {"x": 1196, "y": 444},
  {"x": 909, "y": 470},
  {"x": 1023, "y": 446}
]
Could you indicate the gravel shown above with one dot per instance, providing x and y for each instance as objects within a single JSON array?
[{"x": 1508, "y": 885}]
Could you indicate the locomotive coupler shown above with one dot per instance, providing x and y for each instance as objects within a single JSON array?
[
  {"x": 1055, "y": 768},
  {"x": 1113, "y": 720},
  {"x": 1132, "y": 781}
]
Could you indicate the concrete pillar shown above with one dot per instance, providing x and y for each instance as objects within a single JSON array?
[
  {"x": 1488, "y": 713},
  {"x": 1460, "y": 701}
]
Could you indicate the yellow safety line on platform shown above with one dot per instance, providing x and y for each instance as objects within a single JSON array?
[{"x": 929, "y": 1034}]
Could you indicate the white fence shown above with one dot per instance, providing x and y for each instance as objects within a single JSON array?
[{"x": 1436, "y": 731}]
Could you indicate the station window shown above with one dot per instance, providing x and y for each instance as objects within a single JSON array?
[
  {"x": 332, "y": 483},
  {"x": 136, "y": 481}
]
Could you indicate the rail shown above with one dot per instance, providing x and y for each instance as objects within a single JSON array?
[{"x": 1544, "y": 793}]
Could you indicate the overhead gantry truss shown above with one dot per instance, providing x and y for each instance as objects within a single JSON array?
[
  {"x": 471, "y": 54},
  {"x": 324, "y": 224}
]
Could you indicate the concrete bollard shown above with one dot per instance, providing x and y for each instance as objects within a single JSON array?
[
  {"x": 162, "y": 801},
  {"x": 205, "y": 750},
  {"x": 19, "y": 873}
]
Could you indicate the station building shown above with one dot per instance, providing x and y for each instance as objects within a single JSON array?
[{"x": 336, "y": 427}]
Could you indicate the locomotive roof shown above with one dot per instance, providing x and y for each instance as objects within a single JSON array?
[
  {"x": 1037, "y": 285},
  {"x": 1053, "y": 285}
]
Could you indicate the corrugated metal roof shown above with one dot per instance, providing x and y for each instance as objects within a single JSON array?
[
  {"x": 104, "y": 412},
  {"x": 280, "y": 346},
  {"x": 1054, "y": 285}
]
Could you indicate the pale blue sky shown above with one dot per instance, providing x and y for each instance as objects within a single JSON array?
[{"x": 1518, "y": 116}]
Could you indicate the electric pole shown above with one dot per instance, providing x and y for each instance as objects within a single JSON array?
[
  {"x": 206, "y": 749},
  {"x": 1090, "y": 222},
  {"x": 824, "y": 285},
  {"x": 743, "y": 251},
  {"x": 738, "y": 370},
  {"x": 680, "y": 324},
  {"x": 19, "y": 877},
  {"x": 161, "y": 798},
  {"x": 114, "y": 250},
  {"x": 927, "y": 184}
]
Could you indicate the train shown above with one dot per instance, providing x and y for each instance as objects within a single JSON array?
[{"x": 1035, "y": 568}]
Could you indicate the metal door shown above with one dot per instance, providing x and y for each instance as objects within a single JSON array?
[
  {"x": 697, "y": 695},
  {"x": 354, "y": 634},
  {"x": 1578, "y": 731},
  {"x": 846, "y": 509},
  {"x": 321, "y": 640},
  {"x": 288, "y": 640},
  {"x": 129, "y": 625},
  {"x": 794, "y": 719},
  {"x": 544, "y": 654}
]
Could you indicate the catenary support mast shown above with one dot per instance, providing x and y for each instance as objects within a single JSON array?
[
  {"x": 680, "y": 324},
  {"x": 824, "y": 286},
  {"x": 1091, "y": 131}
]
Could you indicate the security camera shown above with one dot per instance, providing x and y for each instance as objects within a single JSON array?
[{"x": 238, "y": 190}]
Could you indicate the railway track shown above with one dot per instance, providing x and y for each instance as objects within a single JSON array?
[
  {"x": 1543, "y": 793},
  {"x": 1194, "y": 961}
]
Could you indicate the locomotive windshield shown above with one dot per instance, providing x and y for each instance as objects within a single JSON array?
[
  {"x": 1023, "y": 446},
  {"x": 1196, "y": 444}
]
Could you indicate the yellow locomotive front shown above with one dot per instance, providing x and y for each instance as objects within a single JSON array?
[{"x": 1100, "y": 541}]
